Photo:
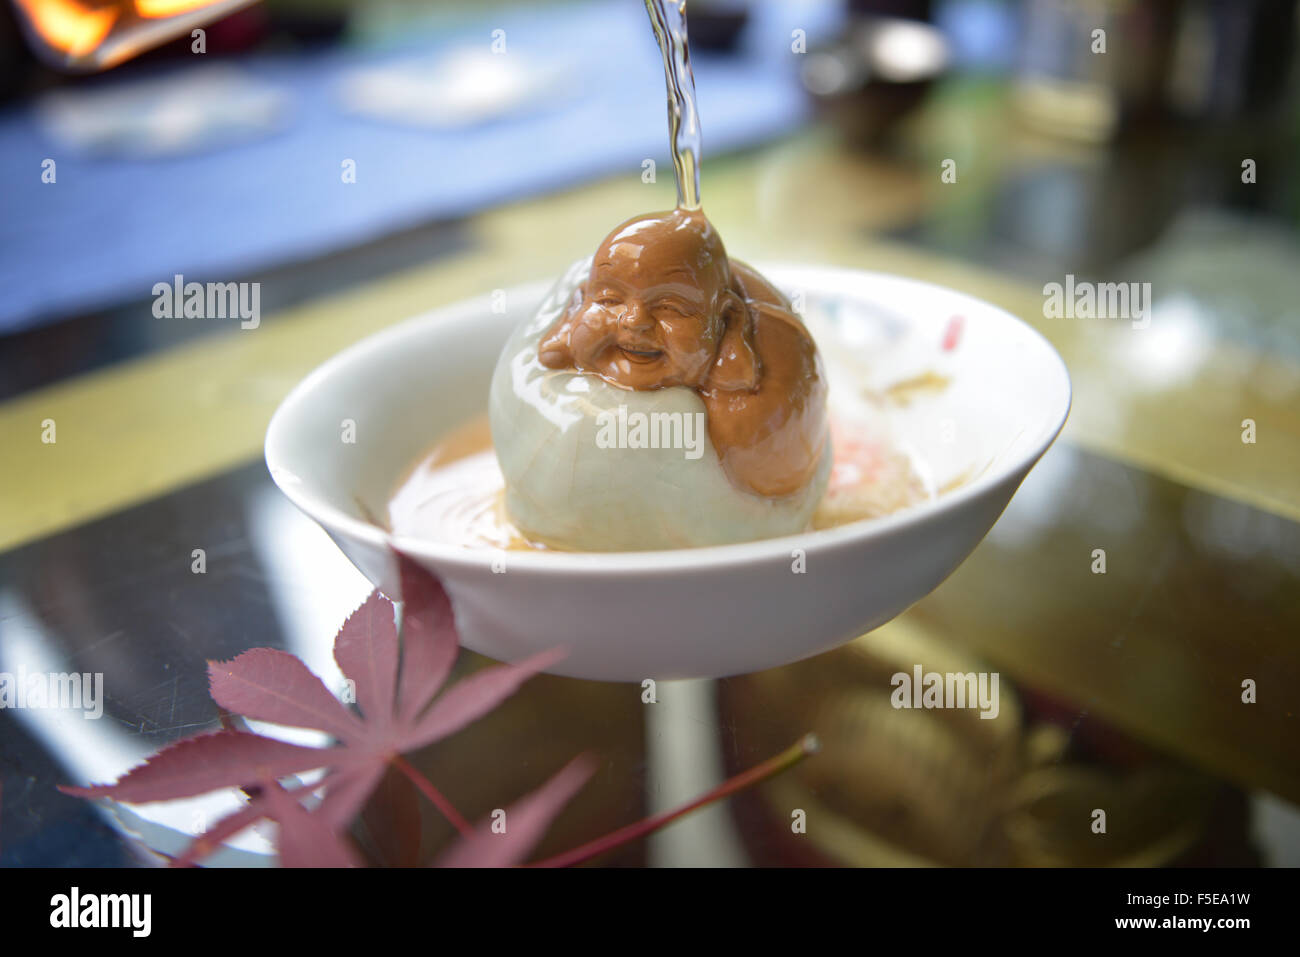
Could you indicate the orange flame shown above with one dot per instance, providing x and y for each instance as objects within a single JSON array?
[
  {"x": 98, "y": 34},
  {"x": 168, "y": 8},
  {"x": 69, "y": 26}
]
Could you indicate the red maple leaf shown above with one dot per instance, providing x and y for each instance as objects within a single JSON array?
[
  {"x": 397, "y": 681},
  {"x": 398, "y": 713}
]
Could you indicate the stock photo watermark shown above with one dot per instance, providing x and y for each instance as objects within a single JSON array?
[
  {"x": 74, "y": 909},
  {"x": 652, "y": 430},
  {"x": 53, "y": 691},
  {"x": 932, "y": 689},
  {"x": 212, "y": 300},
  {"x": 1081, "y": 299}
]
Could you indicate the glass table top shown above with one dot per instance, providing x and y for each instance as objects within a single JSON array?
[{"x": 1120, "y": 688}]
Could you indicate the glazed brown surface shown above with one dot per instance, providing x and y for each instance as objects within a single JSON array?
[{"x": 664, "y": 307}]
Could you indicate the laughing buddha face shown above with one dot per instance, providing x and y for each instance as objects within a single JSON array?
[
  {"x": 658, "y": 309},
  {"x": 662, "y": 306}
]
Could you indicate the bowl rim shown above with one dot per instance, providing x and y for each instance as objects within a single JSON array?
[{"x": 617, "y": 564}]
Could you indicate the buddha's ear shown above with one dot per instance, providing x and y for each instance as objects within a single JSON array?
[
  {"x": 576, "y": 299},
  {"x": 553, "y": 349},
  {"x": 736, "y": 367}
]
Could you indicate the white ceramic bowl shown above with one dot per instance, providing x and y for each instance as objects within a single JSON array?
[{"x": 702, "y": 612}]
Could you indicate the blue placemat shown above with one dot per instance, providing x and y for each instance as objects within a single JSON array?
[{"x": 110, "y": 228}]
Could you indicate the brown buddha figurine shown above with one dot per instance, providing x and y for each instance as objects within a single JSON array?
[{"x": 662, "y": 306}]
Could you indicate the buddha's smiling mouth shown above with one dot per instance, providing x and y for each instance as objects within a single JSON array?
[{"x": 641, "y": 355}]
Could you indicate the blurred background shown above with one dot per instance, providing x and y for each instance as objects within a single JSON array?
[{"x": 365, "y": 162}]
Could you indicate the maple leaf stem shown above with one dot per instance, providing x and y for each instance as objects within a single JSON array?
[
  {"x": 772, "y": 766},
  {"x": 433, "y": 794}
]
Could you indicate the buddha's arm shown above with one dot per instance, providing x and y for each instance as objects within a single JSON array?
[{"x": 770, "y": 438}]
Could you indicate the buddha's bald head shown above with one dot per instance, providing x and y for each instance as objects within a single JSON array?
[
  {"x": 662, "y": 306},
  {"x": 655, "y": 307},
  {"x": 676, "y": 247}
]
